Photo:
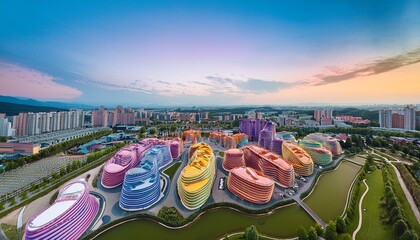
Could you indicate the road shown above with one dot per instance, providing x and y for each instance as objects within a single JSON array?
[
  {"x": 360, "y": 211},
  {"x": 404, "y": 188}
]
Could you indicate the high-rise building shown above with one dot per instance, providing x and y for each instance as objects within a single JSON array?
[
  {"x": 323, "y": 116},
  {"x": 5, "y": 126},
  {"x": 418, "y": 120},
  {"x": 397, "y": 120},
  {"x": 385, "y": 118},
  {"x": 410, "y": 117}
]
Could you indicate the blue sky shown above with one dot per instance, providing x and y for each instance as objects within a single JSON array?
[{"x": 205, "y": 52}]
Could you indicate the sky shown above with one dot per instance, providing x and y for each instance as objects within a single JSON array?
[{"x": 142, "y": 53}]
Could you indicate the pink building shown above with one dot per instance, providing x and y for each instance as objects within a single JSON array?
[{"x": 351, "y": 119}]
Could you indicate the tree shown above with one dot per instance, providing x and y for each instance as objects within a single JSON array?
[
  {"x": 62, "y": 171},
  {"x": 302, "y": 233},
  {"x": 345, "y": 236},
  {"x": 409, "y": 235},
  {"x": 23, "y": 195},
  {"x": 340, "y": 225},
  {"x": 251, "y": 233},
  {"x": 152, "y": 131},
  {"x": 312, "y": 234},
  {"x": 400, "y": 227},
  {"x": 319, "y": 229},
  {"x": 3, "y": 139},
  {"x": 330, "y": 231},
  {"x": 68, "y": 167}
]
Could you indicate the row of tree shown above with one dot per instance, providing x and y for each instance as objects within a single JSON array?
[
  {"x": 411, "y": 183},
  {"x": 393, "y": 214},
  {"x": 53, "y": 150},
  {"x": 331, "y": 232}
]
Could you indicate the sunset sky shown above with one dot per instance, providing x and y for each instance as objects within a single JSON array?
[{"x": 211, "y": 52}]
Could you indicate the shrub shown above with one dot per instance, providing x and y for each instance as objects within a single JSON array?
[
  {"x": 302, "y": 233},
  {"x": 251, "y": 233}
]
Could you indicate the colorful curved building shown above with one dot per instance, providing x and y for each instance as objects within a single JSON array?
[
  {"x": 320, "y": 155},
  {"x": 120, "y": 163},
  {"x": 191, "y": 136},
  {"x": 327, "y": 141},
  {"x": 301, "y": 160},
  {"x": 250, "y": 185},
  {"x": 269, "y": 164},
  {"x": 68, "y": 217},
  {"x": 177, "y": 147},
  {"x": 196, "y": 179},
  {"x": 233, "y": 158},
  {"x": 241, "y": 139},
  {"x": 125, "y": 159}
]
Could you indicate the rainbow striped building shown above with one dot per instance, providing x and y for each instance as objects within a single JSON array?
[
  {"x": 327, "y": 141},
  {"x": 320, "y": 155},
  {"x": 301, "y": 160},
  {"x": 141, "y": 187}
]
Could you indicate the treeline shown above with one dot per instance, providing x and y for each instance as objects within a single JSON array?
[
  {"x": 13, "y": 109},
  {"x": 332, "y": 230},
  {"x": 408, "y": 149},
  {"x": 53, "y": 150},
  {"x": 363, "y": 113},
  {"x": 411, "y": 183},
  {"x": 393, "y": 214}
]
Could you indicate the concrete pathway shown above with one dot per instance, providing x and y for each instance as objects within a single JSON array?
[
  {"x": 404, "y": 188},
  {"x": 360, "y": 211}
]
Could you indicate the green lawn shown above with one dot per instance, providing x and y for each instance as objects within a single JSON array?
[
  {"x": 9, "y": 231},
  {"x": 172, "y": 170},
  {"x": 372, "y": 227},
  {"x": 405, "y": 206}
]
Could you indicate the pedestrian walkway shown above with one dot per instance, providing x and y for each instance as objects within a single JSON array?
[
  {"x": 360, "y": 211},
  {"x": 311, "y": 213}
]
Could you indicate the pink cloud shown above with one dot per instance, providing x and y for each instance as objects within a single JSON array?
[{"x": 20, "y": 81}]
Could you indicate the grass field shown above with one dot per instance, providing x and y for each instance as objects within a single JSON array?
[
  {"x": 172, "y": 170},
  {"x": 372, "y": 227},
  {"x": 9, "y": 231},
  {"x": 351, "y": 226}
]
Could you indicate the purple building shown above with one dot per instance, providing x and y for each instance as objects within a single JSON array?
[{"x": 68, "y": 218}]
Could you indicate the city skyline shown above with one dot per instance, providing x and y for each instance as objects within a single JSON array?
[{"x": 208, "y": 53}]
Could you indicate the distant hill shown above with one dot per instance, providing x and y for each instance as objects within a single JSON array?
[
  {"x": 33, "y": 102},
  {"x": 12, "y": 109}
]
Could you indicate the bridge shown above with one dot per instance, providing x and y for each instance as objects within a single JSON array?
[
  {"x": 357, "y": 163},
  {"x": 311, "y": 213}
]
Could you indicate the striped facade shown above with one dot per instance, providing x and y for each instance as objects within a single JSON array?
[
  {"x": 196, "y": 179},
  {"x": 250, "y": 185},
  {"x": 320, "y": 155},
  {"x": 233, "y": 158},
  {"x": 69, "y": 217},
  {"x": 269, "y": 164},
  {"x": 301, "y": 160},
  {"x": 327, "y": 141}
]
